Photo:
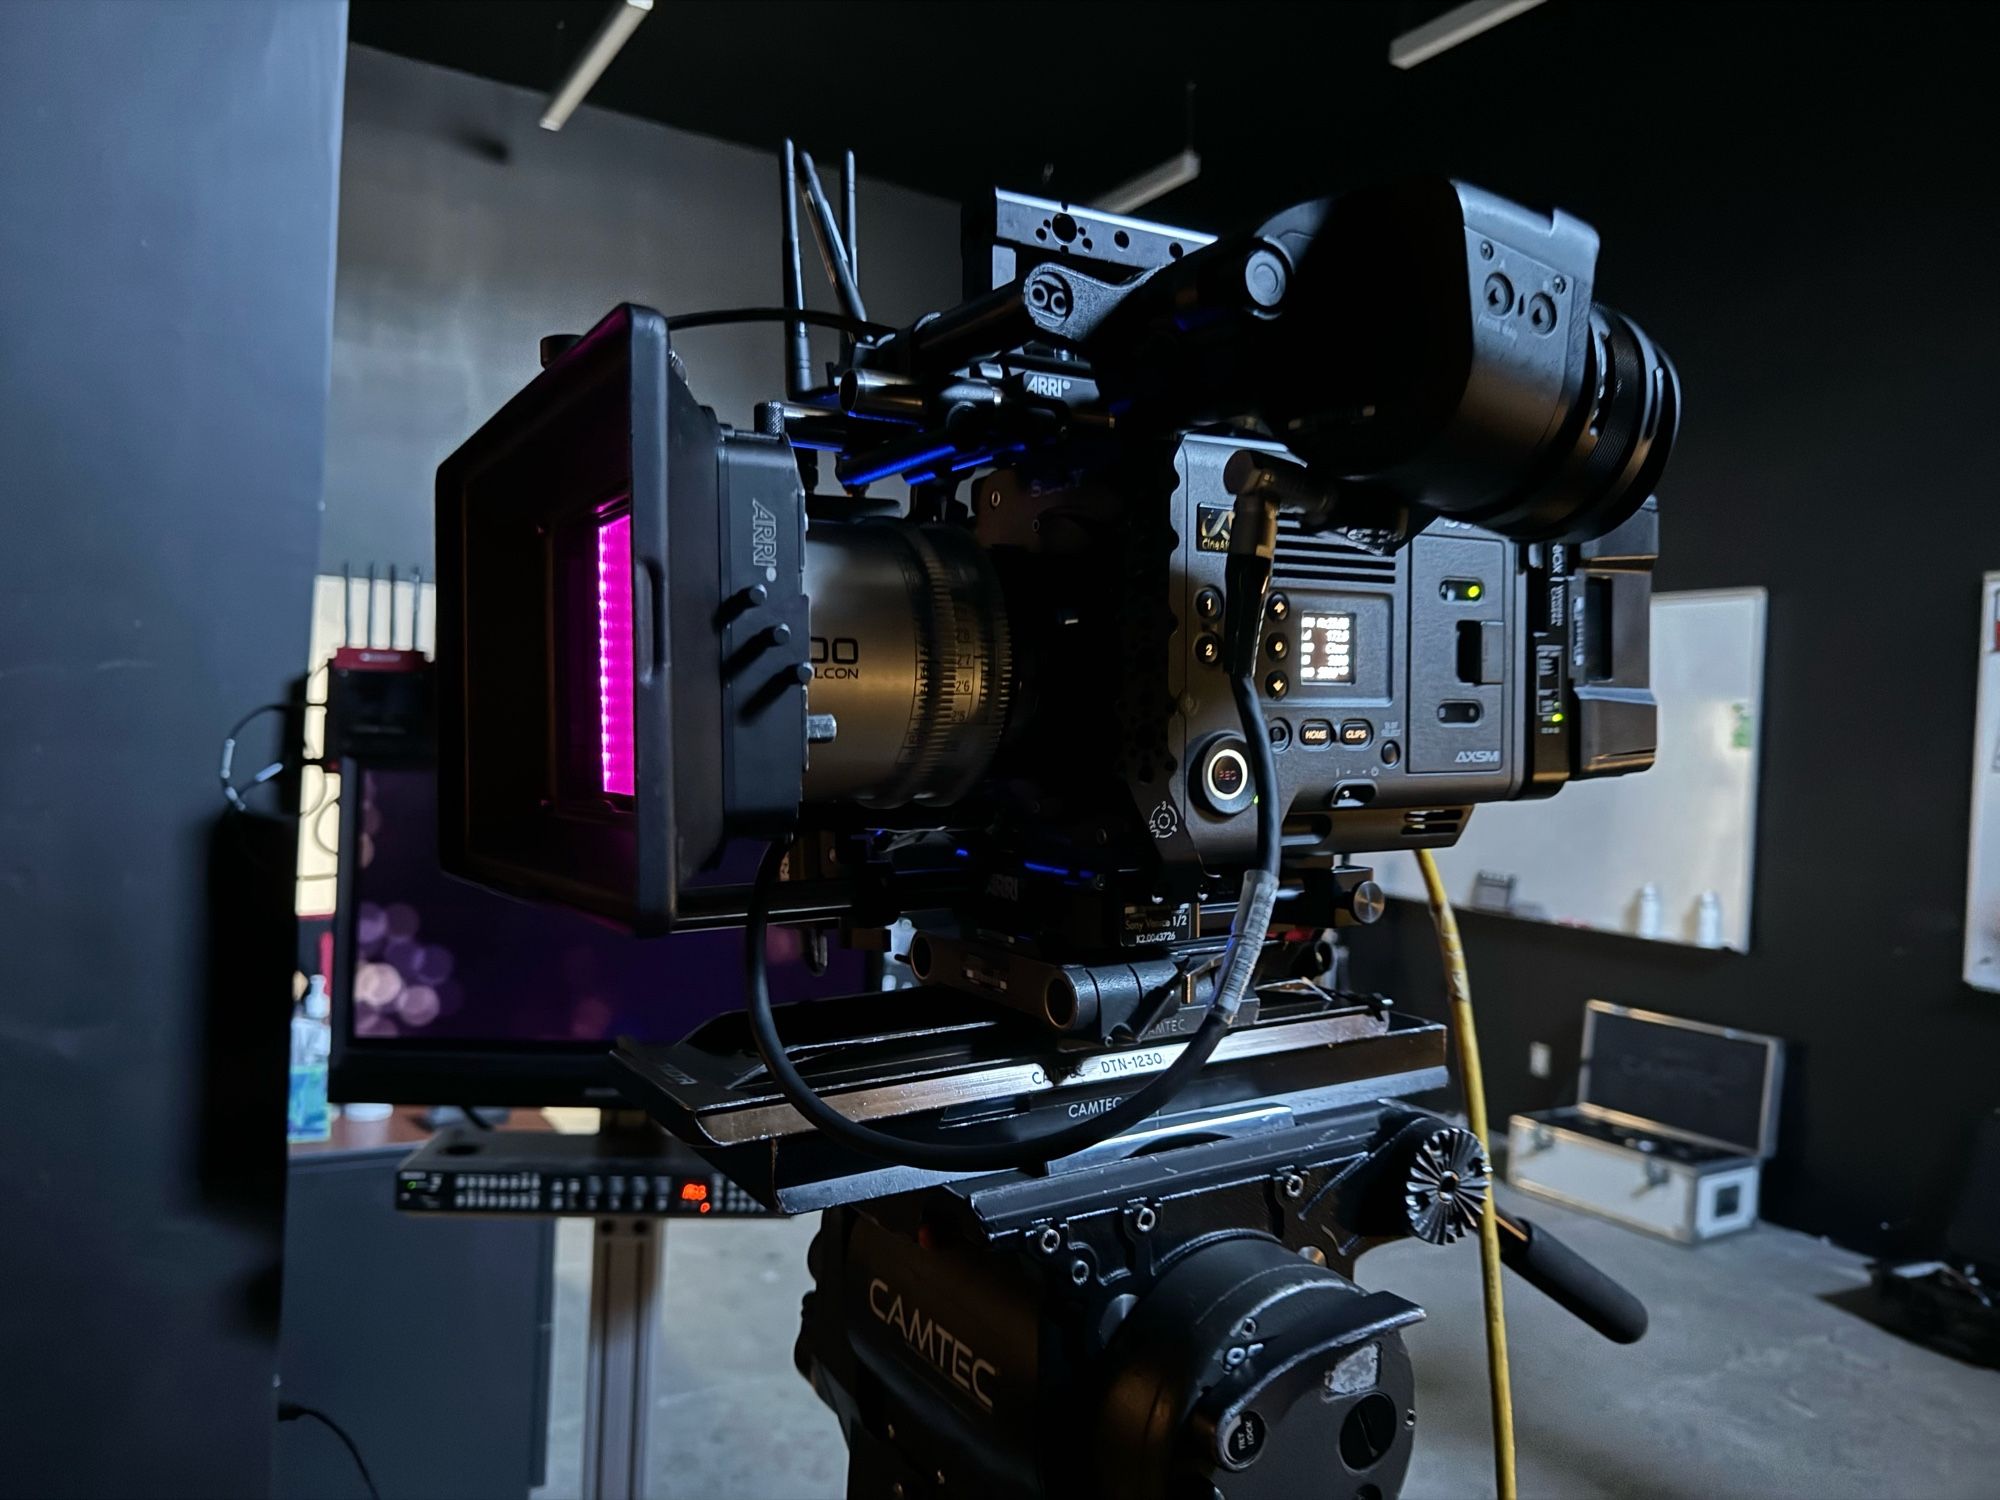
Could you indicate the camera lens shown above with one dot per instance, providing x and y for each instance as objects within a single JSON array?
[{"x": 912, "y": 657}]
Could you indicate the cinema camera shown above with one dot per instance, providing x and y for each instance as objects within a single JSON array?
[{"x": 1215, "y": 562}]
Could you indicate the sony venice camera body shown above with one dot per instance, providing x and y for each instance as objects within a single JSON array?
[{"x": 1222, "y": 562}]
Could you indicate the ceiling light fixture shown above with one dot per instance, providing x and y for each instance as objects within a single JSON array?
[
  {"x": 623, "y": 20},
  {"x": 1459, "y": 24}
]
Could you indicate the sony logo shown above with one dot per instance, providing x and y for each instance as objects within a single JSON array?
[
  {"x": 1479, "y": 757},
  {"x": 931, "y": 1339}
]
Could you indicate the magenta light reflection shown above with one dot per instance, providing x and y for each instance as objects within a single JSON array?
[{"x": 614, "y": 652}]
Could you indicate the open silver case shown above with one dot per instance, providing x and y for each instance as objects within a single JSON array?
[{"x": 1673, "y": 1122}]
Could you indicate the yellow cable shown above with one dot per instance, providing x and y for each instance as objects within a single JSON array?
[{"x": 1459, "y": 987}]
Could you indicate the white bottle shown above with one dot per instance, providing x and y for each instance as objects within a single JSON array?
[
  {"x": 319, "y": 1037},
  {"x": 1708, "y": 920},
  {"x": 318, "y": 1008},
  {"x": 1649, "y": 910},
  {"x": 308, "y": 1116},
  {"x": 312, "y": 1037}
]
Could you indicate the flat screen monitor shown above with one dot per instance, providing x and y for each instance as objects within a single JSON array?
[{"x": 446, "y": 993}]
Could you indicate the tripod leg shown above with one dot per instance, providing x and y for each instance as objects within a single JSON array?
[{"x": 624, "y": 1315}]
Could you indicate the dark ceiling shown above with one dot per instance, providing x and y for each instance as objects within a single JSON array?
[
  {"x": 956, "y": 97},
  {"x": 1574, "y": 102}
]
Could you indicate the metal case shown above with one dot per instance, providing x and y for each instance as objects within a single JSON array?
[{"x": 1674, "y": 1121}]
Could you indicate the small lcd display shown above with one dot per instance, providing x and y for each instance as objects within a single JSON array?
[{"x": 1326, "y": 648}]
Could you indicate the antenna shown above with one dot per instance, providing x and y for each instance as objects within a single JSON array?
[
  {"x": 798, "y": 343},
  {"x": 850, "y": 231},
  {"x": 850, "y": 219},
  {"x": 831, "y": 249}
]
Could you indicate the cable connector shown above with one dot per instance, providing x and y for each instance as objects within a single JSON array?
[{"x": 1286, "y": 483}]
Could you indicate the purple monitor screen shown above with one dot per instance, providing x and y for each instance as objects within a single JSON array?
[{"x": 439, "y": 960}]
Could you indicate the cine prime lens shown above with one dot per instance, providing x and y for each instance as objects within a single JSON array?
[{"x": 912, "y": 657}]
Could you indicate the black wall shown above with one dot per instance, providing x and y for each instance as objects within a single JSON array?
[
  {"x": 1796, "y": 202},
  {"x": 167, "y": 195}
]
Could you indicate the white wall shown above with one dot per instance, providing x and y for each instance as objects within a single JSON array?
[{"x": 467, "y": 232}]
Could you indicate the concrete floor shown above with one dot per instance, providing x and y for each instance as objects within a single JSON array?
[{"x": 1749, "y": 1384}]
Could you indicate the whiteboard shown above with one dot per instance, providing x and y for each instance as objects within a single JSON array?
[
  {"x": 1982, "y": 892},
  {"x": 1686, "y": 829}
]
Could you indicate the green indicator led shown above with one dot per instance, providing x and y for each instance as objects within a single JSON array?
[
  {"x": 1474, "y": 591},
  {"x": 1555, "y": 718}
]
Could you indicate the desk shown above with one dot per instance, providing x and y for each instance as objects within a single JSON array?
[{"x": 404, "y": 1128}]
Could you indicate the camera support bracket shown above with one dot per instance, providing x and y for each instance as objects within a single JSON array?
[{"x": 945, "y": 1066}]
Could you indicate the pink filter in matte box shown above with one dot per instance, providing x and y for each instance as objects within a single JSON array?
[{"x": 614, "y": 652}]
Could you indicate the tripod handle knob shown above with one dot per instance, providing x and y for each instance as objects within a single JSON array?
[
  {"x": 1445, "y": 1182},
  {"x": 1366, "y": 903},
  {"x": 1358, "y": 900}
]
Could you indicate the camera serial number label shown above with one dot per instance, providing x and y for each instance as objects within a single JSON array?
[
  {"x": 1117, "y": 1064},
  {"x": 1111, "y": 1065}
]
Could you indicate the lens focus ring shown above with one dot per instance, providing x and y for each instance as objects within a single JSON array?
[
  {"x": 964, "y": 668},
  {"x": 913, "y": 659}
]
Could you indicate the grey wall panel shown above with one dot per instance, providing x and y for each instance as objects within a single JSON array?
[{"x": 467, "y": 232}]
